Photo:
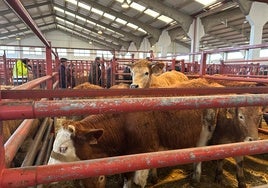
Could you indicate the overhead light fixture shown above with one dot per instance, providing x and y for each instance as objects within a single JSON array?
[
  {"x": 125, "y": 4},
  {"x": 99, "y": 32},
  {"x": 18, "y": 38}
]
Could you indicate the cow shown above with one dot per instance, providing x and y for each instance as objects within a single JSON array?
[
  {"x": 106, "y": 135},
  {"x": 143, "y": 77},
  {"x": 239, "y": 124}
]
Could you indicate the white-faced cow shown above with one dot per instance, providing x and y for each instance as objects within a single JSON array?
[
  {"x": 143, "y": 77},
  {"x": 106, "y": 135}
]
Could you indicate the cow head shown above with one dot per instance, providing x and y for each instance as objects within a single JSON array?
[
  {"x": 142, "y": 71},
  {"x": 64, "y": 150},
  {"x": 243, "y": 123}
]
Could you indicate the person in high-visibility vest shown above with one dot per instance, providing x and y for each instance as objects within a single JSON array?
[{"x": 20, "y": 72}]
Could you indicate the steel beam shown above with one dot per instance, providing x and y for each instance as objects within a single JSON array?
[
  {"x": 37, "y": 109},
  {"x": 29, "y": 176}
]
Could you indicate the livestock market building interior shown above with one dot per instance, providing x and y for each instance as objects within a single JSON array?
[{"x": 224, "y": 42}]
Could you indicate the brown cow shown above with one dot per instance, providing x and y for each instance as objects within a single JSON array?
[
  {"x": 107, "y": 135},
  {"x": 143, "y": 77}
]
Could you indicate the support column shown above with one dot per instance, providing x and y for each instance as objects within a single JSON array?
[
  {"x": 164, "y": 42},
  {"x": 257, "y": 17},
  {"x": 145, "y": 46},
  {"x": 196, "y": 32},
  {"x": 132, "y": 47}
]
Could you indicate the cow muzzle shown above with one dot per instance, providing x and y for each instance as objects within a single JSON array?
[{"x": 133, "y": 86}]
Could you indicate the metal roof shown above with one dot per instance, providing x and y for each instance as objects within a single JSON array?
[{"x": 224, "y": 21}]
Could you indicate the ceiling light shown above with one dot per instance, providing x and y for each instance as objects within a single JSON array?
[
  {"x": 125, "y": 4},
  {"x": 18, "y": 38},
  {"x": 99, "y": 32}
]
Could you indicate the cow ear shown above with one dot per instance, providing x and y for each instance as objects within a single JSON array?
[
  {"x": 157, "y": 65},
  {"x": 93, "y": 135},
  {"x": 230, "y": 112}
]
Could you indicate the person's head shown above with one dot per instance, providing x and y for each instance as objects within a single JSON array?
[
  {"x": 63, "y": 60},
  {"x": 97, "y": 59},
  {"x": 25, "y": 61}
]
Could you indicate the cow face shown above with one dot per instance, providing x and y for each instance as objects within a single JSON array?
[
  {"x": 63, "y": 148},
  {"x": 64, "y": 151},
  {"x": 248, "y": 120},
  {"x": 238, "y": 124},
  {"x": 142, "y": 71}
]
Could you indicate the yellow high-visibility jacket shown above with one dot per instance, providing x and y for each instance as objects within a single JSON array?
[{"x": 20, "y": 72}]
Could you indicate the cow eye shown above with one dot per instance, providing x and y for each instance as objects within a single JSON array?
[{"x": 147, "y": 73}]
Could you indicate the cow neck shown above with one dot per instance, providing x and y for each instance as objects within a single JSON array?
[{"x": 63, "y": 158}]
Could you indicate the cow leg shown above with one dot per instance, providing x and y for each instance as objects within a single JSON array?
[
  {"x": 154, "y": 175},
  {"x": 209, "y": 120},
  {"x": 240, "y": 171},
  {"x": 219, "y": 171},
  {"x": 128, "y": 179},
  {"x": 140, "y": 177}
]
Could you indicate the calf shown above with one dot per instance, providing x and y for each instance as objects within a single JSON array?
[
  {"x": 106, "y": 135},
  {"x": 232, "y": 125},
  {"x": 143, "y": 75}
]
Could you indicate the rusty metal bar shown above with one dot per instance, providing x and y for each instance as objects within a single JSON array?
[
  {"x": 49, "y": 148},
  {"x": 29, "y": 176},
  {"x": 32, "y": 84},
  {"x": 2, "y": 149},
  {"x": 37, "y": 109},
  {"x": 15, "y": 141},
  {"x": 31, "y": 154},
  {"x": 264, "y": 131},
  {"x": 42, "y": 153},
  {"x": 22, "y": 13},
  {"x": 21, "y": 94},
  {"x": 241, "y": 79}
]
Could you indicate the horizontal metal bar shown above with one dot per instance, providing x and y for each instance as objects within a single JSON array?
[
  {"x": 37, "y": 109},
  {"x": 21, "y": 94},
  {"x": 29, "y": 176},
  {"x": 241, "y": 79},
  {"x": 22, "y": 13}
]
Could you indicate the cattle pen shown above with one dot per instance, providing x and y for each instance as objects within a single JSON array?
[{"x": 26, "y": 103}]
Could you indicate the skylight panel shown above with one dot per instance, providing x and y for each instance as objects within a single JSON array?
[
  {"x": 205, "y": 2},
  {"x": 80, "y": 18},
  {"x": 151, "y": 12},
  {"x": 59, "y": 9},
  {"x": 97, "y": 11},
  {"x": 84, "y": 6},
  {"x": 120, "y": 1},
  {"x": 111, "y": 17},
  {"x": 165, "y": 19},
  {"x": 141, "y": 30},
  {"x": 79, "y": 27},
  {"x": 72, "y": 1},
  {"x": 90, "y": 22},
  {"x": 100, "y": 26},
  {"x": 69, "y": 13},
  {"x": 62, "y": 20},
  {"x": 137, "y": 6},
  {"x": 123, "y": 22},
  {"x": 132, "y": 26},
  {"x": 69, "y": 23}
]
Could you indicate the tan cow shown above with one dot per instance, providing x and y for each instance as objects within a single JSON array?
[{"x": 143, "y": 77}]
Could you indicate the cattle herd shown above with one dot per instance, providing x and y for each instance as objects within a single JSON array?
[{"x": 115, "y": 134}]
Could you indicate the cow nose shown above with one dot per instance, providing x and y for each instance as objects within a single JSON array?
[
  {"x": 134, "y": 86},
  {"x": 249, "y": 139}
]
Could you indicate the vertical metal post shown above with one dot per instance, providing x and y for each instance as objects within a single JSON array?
[
  {"x": 203, "y": 60},
  {"x": 49, "y": 65}
]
